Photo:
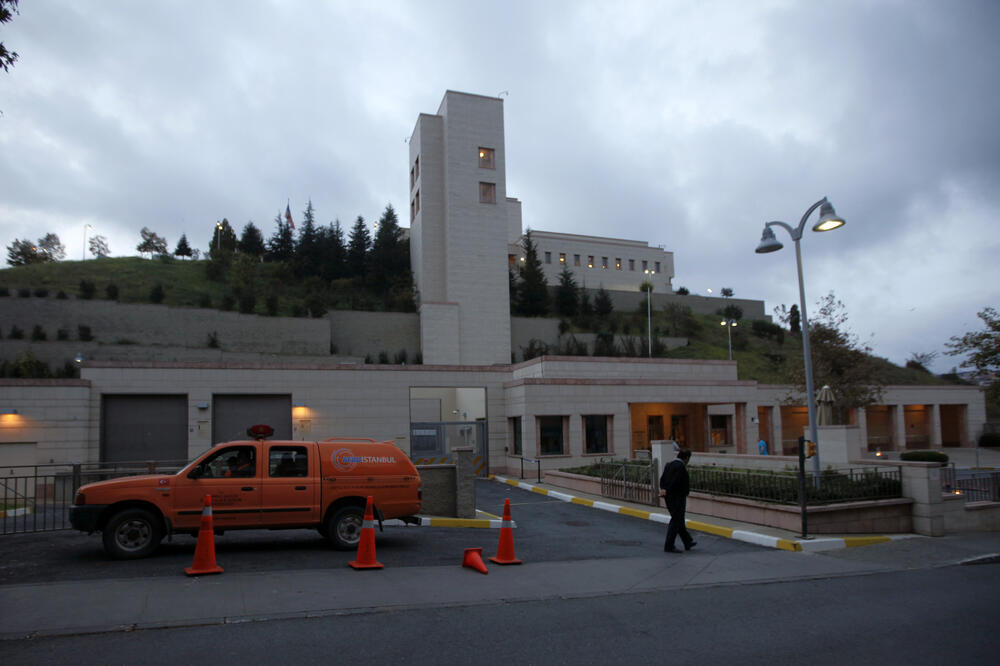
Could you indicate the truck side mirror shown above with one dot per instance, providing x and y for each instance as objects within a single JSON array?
[{"x": 196, "y": 472}]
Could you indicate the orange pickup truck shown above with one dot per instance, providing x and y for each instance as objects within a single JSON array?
[{"x": 254, "y": 485}]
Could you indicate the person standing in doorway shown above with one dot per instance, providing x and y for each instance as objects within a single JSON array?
[{"x": 674, "y": 486}]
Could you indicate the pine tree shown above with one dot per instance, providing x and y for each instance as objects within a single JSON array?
[
  {"x": 223, "y": 244},
  {"x": 333, "y": 251},
  {"x": 183, "y": 249},
  {"x": 533, "y": 291},
  {"x": 307, "y": 249},
  {"x": 567, "y": 297},
  {"x": 251, "y": 242},
  {"x": 603, "y": 305},
  {"x": 388, "y": 262},
  {"x": 281, "y": 245},
  {"x": 358, "y": 247}
]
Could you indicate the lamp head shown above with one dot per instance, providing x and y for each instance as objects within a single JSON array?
[
  {"x": 768, "y": 242},
  {"x": 828, "y": 218}
]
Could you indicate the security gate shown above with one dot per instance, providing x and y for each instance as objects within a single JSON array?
[{"x": 431, "y": 442}]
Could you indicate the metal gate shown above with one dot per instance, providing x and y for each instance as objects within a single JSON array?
[
  {"x": 431, "y": 442},
  {"x": 630, "y": 480}
]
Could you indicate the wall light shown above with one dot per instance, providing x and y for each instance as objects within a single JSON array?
[{"x": 202, "y": 405}]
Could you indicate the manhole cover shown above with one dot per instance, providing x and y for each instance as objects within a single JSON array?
[
  {"x": 577, "y": 523},
  {"x": 621, "y": 542}
]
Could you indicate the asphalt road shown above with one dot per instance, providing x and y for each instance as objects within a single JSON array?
[
  {"x": 929, "y": 616},
  {"x": 547, "y": 530}
]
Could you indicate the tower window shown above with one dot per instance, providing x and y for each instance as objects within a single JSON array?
[
  {"x": 486, "y": 158},
  {"x": 631, "y": 264},
  {"x": 562, "y": 258},
  {"x": 618, "y": 263},
  {"x": 576, "y": 260},
  {"x": 548, "y": 257},
  {"x": 487, "y": 193}
]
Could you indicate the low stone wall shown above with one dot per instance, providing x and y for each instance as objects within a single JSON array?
[
  {"x": 875, "y": 517},
  {"x": 449, "y": 490}
]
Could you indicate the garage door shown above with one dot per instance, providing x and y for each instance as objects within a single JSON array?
[
  {"x": 233, "y": 414},
  {"x": 144, "y": 427}
]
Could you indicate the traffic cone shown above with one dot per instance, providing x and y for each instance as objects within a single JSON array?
[
  {"x": 366, "y": 547},
  {"x": 505, "y": 549},
  {"x": 474, "y": 560},
  {"x": 204, "y": 552}
]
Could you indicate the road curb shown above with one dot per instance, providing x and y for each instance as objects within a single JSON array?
[{"x": 756, "y": 538}]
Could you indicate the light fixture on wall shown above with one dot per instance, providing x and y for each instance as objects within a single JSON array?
[{"x": 202, "y": 405}]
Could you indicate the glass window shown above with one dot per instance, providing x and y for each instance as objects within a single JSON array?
[
  {"x": 486, "y": 158},
  {"x": 604, "y": 262},
  {"x": 488, "y": 193},
  {"x": 550, "y": 435},
  {"x": 657, "y": 269},
  {"x": 631, "y": 264},
  {"x": 618, "y": 263},
  {"x": 285, "y": 461},
  {"x": 590, "y": 261},
  {"x": 645, "y": 265},
  {"x": 514, "y": 438},
  {"x": 576, "y": 260},
  {"x": 416, "y": 201},
  {"x": 562, "y": 257},
  {"x": 511, "y": 259},
  {"x": 548, "y": 257},
  {"x": 595, "y": 433},
  {"x": 234, "y": 461},
  {"x": 416, "y": 169},
  {"x": 412, "y": 179}
]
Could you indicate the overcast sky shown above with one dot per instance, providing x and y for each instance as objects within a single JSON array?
[{"x": 684, "y": 124}]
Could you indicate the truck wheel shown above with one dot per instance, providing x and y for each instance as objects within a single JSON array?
[
  {"x": 344, "y": 527},
  {"x": 131, "y": 534}
]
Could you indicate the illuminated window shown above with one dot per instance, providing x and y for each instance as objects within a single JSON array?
[
  {"x": 548, "y": 257},
  {"x": 618, "y": 263},
  {"x": 562, "y": 257},
  {"x": 486, "y": 158},
  {"x": 631, "y": 264},
  {"x": 511, "y": 259},
  {"x": 576, "y": 260},
  {"x": 487, "y": 193},
  {"x": 604, "y": 262},
  {"x": 590, "y": 261}
]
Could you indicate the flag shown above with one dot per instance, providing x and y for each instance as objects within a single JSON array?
[{"x": 288, "y": 216}]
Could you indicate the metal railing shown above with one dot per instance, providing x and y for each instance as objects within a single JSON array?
[
  {"x": 630, "y": 480},
  {"x": 844, "y": 485},
  {"x": 975, "y": 485},
  {"x": 36, "y": 498}
]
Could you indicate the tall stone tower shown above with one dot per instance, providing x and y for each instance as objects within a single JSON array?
[{"x": 459, "y": 219}]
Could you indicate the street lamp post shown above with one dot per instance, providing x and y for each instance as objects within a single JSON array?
[
  {"x": 828, "y": 220},
  {"x": 84, "y": 255},
  {"x": 729, "y": 323},
  {"x": 649, "y": 316}
]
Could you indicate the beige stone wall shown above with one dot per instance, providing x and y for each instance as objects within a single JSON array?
[
  {"x": 52, "y": 424},
  {"x": 160, "y": 325}
]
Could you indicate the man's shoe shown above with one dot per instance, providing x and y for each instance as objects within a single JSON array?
[
  {"x": 670, "y": 550},
  {"x": 690, "y": 545}
]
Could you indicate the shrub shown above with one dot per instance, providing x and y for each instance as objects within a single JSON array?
[
  {"x": 83, "y": 333},
  {"x": 924, "y": 456},
  {"x": 400, "y": 357},
  {"x": 765, "y": 329},
  {"x": 228, "y": 303},
  {"x": 87, "y": 290},
  {"x": 682, "y": 291},
  {"x": 24, "y": 292},
  {"x": 15, "y": 333},
  {"x": 368, "y": 359},
  {"x": 38, "y": 333},
  {"x": 62, "y": 295},
  {"x": 156, "y": 294},
  {"x": 41, "y": 292},
  {"x": 204, "y": 301},
  {"x": 383, "y": 358},
  {"x": 111, "y": 291},
  {"x": 62, "y": 334},
  {"x": 213, "y": 340},
  {"x": 4, "y": 292},
  {"x": 247, "y": 302},
  {"x": 271, "y": 305},
  {"x": 989, "y": 439}
]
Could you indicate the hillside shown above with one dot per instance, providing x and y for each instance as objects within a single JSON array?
[{"x": 184, "y": 283}]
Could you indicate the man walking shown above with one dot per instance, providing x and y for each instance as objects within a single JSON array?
[{"x": 674, "y": 485}]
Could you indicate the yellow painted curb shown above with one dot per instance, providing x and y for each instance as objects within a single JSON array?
[
  {"x": 854, "y": 542},
  {"x": 785, "y": 544},
  {"x": 726, "y": 532},
  {"x": 629, "y": 511}
]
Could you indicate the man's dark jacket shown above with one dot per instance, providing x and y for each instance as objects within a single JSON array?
[{"x": 674, "y": 479}]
